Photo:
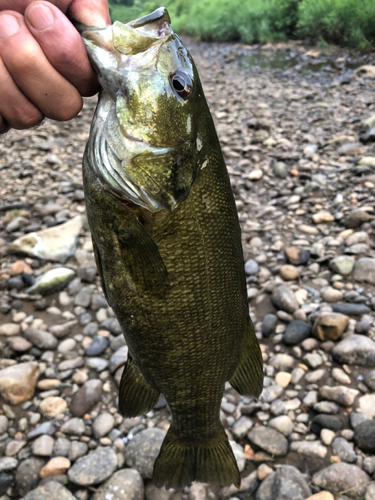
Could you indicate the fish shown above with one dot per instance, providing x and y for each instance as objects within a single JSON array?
[{"x": 167, "y": 244}]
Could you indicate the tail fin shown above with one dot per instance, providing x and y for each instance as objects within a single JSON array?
[{"x": 181, "y": 462}]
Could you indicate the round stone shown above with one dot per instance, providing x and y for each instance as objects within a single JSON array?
[{"x": 142, "y": 450}]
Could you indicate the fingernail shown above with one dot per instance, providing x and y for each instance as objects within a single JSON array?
[
  {"x": 40, "y": 16},
  {"x": 9, "y": 25}
]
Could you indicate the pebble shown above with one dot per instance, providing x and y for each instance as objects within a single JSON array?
[
  {"x": 296, "y": 332},
  {"x": 364, "y": 436},
  {"x": 269, "y": 440},
  {"x": 43, "y": 446},
  {"x": 97, "y": 346},
  {"x": 48, "y": 491},
  {"x": 355, "y": 350},
  {"x": 330, "y": 326},
  {"x": 364, "y": 270},
  {"x": 342, "y": 449},
  {"x": 269, "y": 325},
  {"x": 27, "y": 475},
  {"x": 340, "y": 394},
  {"x": 86, "y": 397},
  {"x": 52, "y": 281},
  {"x": 9, "y": 329},
  {"x": 342, "y": 264},
  {"x": 309, "y": 448},
  {"x": 93, "y": 468},
  {"x": 17, "y": 382},
  {"x": 327, "y": 436},
  {"x": 283, "y": 298},
  {"x": 282, "y": 424},
  {"x": 40, "y": 338},
  {"x": 286, "y": 482},
  {"x": 73, "y": 427},
  {"x": 341, "y": 477},
  {"x": 297, "y": 256},
  {"x": 242, "y": 426},
  {"x": 351, "y": 309},
  {"x": 77, "y": 449},
  {"x": 125, "y": 484},
  {"x": 142, "y": 450},
  {"x": 289, "y": 272},
  {"x": 53, "y": 406},
  {"x": 102, "y": 425},
  {"x": 55, "y": 466}
]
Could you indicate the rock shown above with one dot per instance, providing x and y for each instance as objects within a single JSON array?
[
  {"x": 118, "y": 358},
  {"x": 63, "y": 330},
  {"x": 289, "y": 272},
  {"x": 283, "y": 298},
  {"x": 356, "y": 218},
  {"x": 269, "y": 440},
  {"x": 366, "y": 71},
  {"x": 53, "y": 406},
  {"x": 296, "y": 332},
  {"x": 86, "y": 397},
  {"x": 297, "y": 256},
  {"x": 341, "y": 477},
  {"x": 323, "y": 216},
  {"x": 327, "y": 436},
  {"x": 282, "y": 424},
  {"x": 364, "y": 325},
  {"x": 77, "y": 449},
  {"x": 355, "y": 350},
  {"x": 269, "y": 325},
  {"x": 40, "y": 338},
  {"x": 370, "y": 380},
  {"x": 44, "y": 428},
  {"x": 142, "y": 450},
  {"x": 17, "y": 382},
  {"x": 343, "y": 264},
  {"x": 370, "y": 492},
  {"x": 286, "y": 483},
  {"x": 283, "y": 379},
  {"x": 83, "y": 297},
  {"x": 329, "y": 326},
  {"x": 340, "y": 394},
  {"x": 309, "y": 448},
  {"x": 152, "y": 492},
  {"x": 364, "y": 270},
  {"x": 27, "y": 475},
  {"x": 366, "y": 405},
  {"x": 239, "y": 455},
  {"x": 103, "y": 424},
  {"x": 19, "y": 344},
  {"x": 342, "y": 449},
  {"x": 125, "y": 484},
  {"x": 279, "y": 169},
  {"x": 282, "y": 362},
  {"x": 9, "y": 329},
  {"x": 43, "y": 446},
  {"x": 3, "y": 424},
  {"x": 330, "y": 294},
  {"x": 97, "y": 346},
  {"x": 52, "y": 281},
  {"x": 6, "y": 481},
  {"x": 56, "y": 243},
  {"x": 8, "y": 463},
  {"x": 351, "y": 309},
  {"x": 323, "y": 421},
  {"x": 73, "y": 427},
  {"x": 50, "y": 491},
  {"x": 356, "y": 238},
  {"x": 93, "y": 468},
  {"x": 364, "y": 436},
  {"x": 242, "y": 426},
  {"x": 322, "y": 495},
  {"x": 251, "y": 267},
  {"x": 55, "y": 466}
]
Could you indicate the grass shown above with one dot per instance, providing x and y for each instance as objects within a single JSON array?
[{"x": 344, "y": 22}]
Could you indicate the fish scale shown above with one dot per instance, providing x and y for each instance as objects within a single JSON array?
[{"x": 171, "y": 262}]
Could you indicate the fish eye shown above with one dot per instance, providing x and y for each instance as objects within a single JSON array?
[{"x": 182, "y": 84}]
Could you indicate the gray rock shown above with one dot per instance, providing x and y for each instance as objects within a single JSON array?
[
  {"x": 87, "y": 273},
  {"x": 73, "y": 426},
  {"x": 118, "y": 358},
  {"x": 282, "y": 362},
  {"x": 269, "y": 440},
  {"x": 6, "y": 481},
  {"x": 99, "y": 364},
  {"x": 8, "y": 463},
  {"x": 97, "y": 346},
  {"x": 351, "y": 309},
  {"x": 27, "y": 475},
  {"x": 62, "y": 447},
  {"x": 370, "y": 380},
  {"x": 327, "y": 407},
  {"x": 152, "y": 492},
  {"x": 93, "y": 468},
  {"x": 40, "y": 338},
  {"x": 103, "y": 424},
  {"x": 125, "y": 484},
  {"x": 44, "y": 428},
  {"x": 280, "y": 169},
  {"x": 364, "y": 325},
  {"x": 313, "y": 360},
  {"x": 242, "y": 426},
  {"x": 364, "y": 270},
  {"x": 370, "y": 492},
  {"x": 296, "y": 332},
  {"x": 344, "y": 450},
  {"x": 284, "y": 484},
  {"x": 87, "y": 396},
  {"x": 83, "y": 297},
  {"x": 50, "y": 490},
  {"x": 323, "y": 421},
  {"x": 343, "y": 264},
  {"x": 142, "y": 450},
  {"x": 283, "y": 298},
  {"x": 63, "y": 330},
  {"x": 364, "y": 436},
  {"x": 3, "y": 424},
  {"x": 269, "y": 325},
  {"x": 251, "y": 267},
  {"x": 52, "y": 281},
  {"x": 355, "y": 350},
  {"x": 56, "y": 243},
  {"x": 271, "y": 393},
  {"x": 77, "y": 449},
  {"x": 309, "y": 448},
  {"x": 112, "y": 325},
  {"x": 282, "y": 424},
  {"x": 341, "y": 477}
]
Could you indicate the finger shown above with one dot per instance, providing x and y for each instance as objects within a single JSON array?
[
  {"x": 4, "y": 127},
  {"x": 62, "y": 45},
  {"x": 49, "y": 91},
  {"x": 16, "y": 110},
  {"x": 90, "y": 12}
]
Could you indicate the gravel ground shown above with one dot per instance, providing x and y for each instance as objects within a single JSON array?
[{"x": 299, "y": 148}]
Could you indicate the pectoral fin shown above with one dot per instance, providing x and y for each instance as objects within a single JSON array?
[
  {"x": 136, "y": 396},
  {"x": 142, "y": 261},
  {"x": 248, "y": 377}
]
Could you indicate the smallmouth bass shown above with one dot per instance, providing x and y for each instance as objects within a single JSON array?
[{"x": 167, "y": 245}]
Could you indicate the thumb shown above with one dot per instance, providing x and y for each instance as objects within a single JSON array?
[{"x": 90, "y": 12}]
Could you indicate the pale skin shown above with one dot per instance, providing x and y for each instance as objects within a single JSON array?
[{"x": 44, "y": 69}]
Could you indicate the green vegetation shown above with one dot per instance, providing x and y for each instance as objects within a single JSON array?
[{"x": 344, "y": 22}]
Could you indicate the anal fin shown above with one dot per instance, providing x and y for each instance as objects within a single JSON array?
[
  {"x": 136, "y": 396},
  {"x": 248, "y": 377}
]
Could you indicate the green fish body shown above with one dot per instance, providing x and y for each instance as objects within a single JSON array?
[{"x": 167, "y": 244}]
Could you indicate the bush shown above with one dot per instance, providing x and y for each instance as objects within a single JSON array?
[{"x": 346, "y": 22}]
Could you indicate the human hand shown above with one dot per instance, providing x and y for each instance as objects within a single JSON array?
[{"x": 44, "y": 68}]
